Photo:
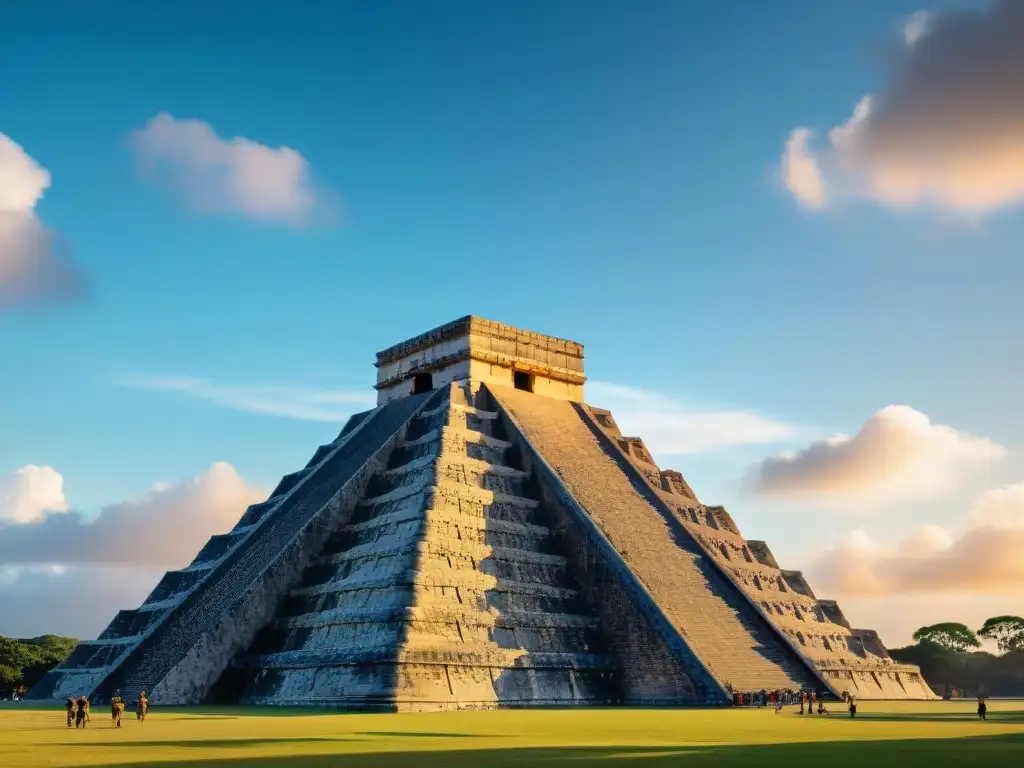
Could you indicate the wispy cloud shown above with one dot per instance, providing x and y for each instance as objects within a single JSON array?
[
  {"x": 668, "y": 426},
  {"x": 291, "y": 402}
]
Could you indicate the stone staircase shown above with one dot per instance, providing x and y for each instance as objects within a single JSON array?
[
  {"x": 443, "y": 590},
  {"x": 726, "y": 633}
]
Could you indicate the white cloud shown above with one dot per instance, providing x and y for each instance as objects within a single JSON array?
[
  {"x": 1000, "y": 508},
  {"x": 668, "y": 427},
  {"x": 120, "y": 554},
  {"x": 22, "y": 180},
  {"x": 218, "y": 175},
  {"x": 28, "y": 493},
  {"x": 165, "y": 527},
  {"x": 302, "y": 403},
  {"x": 916, "y": 27},
  {"x": 800, "y": 171},
  {"x": 31, "y": 270},
  {"x": 947, "y": 128},
  {"x": 898, "y": 454},
  {"x": 982, "y": 556}
]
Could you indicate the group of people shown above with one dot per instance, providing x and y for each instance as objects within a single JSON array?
[
  {"x": 78, "y": 709},
  {"x": 809, "y": 701}
]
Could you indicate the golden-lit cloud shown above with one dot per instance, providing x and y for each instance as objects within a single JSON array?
[
  {"x": 982, "y": 556},
  {"x": 897, "y": 454},
  {"x": 947, "y": 127}
]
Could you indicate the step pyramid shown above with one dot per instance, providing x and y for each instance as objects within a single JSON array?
[{"x": 483, "y": 538}]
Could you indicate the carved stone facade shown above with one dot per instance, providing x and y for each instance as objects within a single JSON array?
[{"x": 485, "y": 352}]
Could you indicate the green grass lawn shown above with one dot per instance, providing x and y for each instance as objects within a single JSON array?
[{"x": 905, "y": 734}]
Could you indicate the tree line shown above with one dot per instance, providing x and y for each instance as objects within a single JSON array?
[
  {"x": 949, "y": 657},
  {"x": 24, "y": 662}
]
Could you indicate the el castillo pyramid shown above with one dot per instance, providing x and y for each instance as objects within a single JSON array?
[{"x": 482, "y": 538}]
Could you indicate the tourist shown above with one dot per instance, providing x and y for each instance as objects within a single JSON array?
[
  {"x": 116, "y": 708},
  {"x": 853, "y": 706},
  {"x": 82, "y": 714},
  {"x": 982, "y": 708},
  {"x": 142, "y": 706},
  {"x": 822, "y": 710},
  {"x": 69, "y": 705}
]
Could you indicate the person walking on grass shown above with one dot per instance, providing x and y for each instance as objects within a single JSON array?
[
  {"x": 69, "y": 706},
  {"x": 853, "y": 706},
  {"x": 982, "y": 708},
  {"x": 82, "y": 713},
  {"x": 142, "y": 707},
  {"x": 116, "y": 708}
]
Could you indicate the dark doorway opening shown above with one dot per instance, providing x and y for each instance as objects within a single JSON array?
[
  {"x": 522, "y": 380},
  {"x": 422, "y": 382}
]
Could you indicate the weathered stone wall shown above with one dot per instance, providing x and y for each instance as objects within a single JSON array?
[
  {"x": 815, "y": 629},
  {"x": 485, "y": 351},
  {"x": 91, "y": 661},
  {"x": 734, "y": 643},
  {"x": 657, "y": 668},
  {"x": 200, "y": 631},
  {"x": 191, "y": 679}
]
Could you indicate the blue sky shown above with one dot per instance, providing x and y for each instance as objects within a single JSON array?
[{"x": 603, "y": 171}]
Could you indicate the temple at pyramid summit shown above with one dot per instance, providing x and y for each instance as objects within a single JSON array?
[{"x": 484, "y": 537}]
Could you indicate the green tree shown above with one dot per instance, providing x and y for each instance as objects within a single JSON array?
[
  {"x": 1006, "y": 631},
  {"x": 26, "y": 661},
  {"x": 13, "y": 653},
  {"x": 950, "y": 634},
  {"x": 9, "y": 677}
]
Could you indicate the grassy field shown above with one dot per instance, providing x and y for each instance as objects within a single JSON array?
[{"x": 905, "y": 734}]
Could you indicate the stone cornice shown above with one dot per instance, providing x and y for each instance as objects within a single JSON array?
[
  {"x": 478, "y": 326},
  {"x": 485, "y": 356}
]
